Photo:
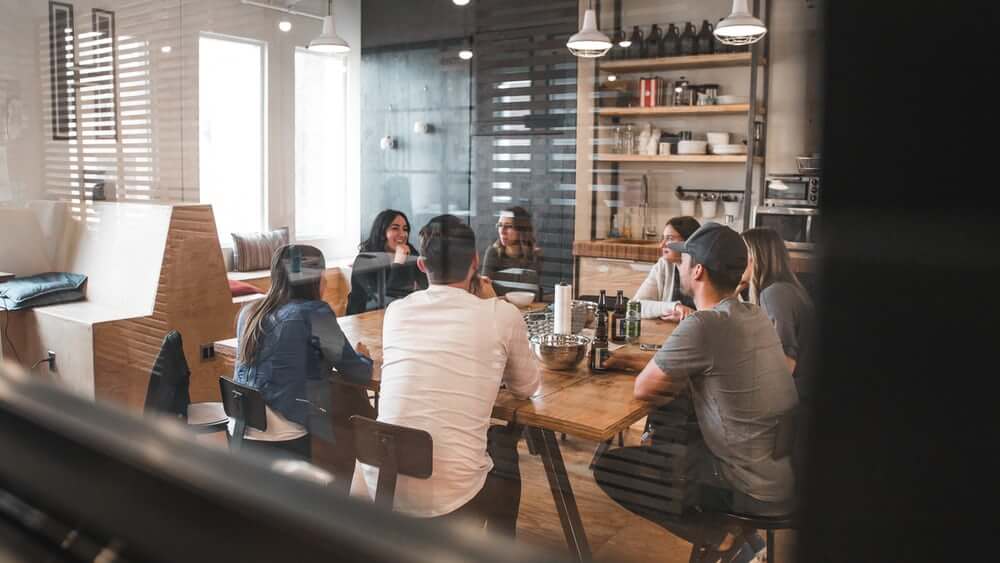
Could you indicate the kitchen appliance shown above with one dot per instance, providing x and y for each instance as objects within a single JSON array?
[
  {"x": 795, "y": 190},
  {"x": 797, "y": 226},
  {"x": 808, "y": 164}
]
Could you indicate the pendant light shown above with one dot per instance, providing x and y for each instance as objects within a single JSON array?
[
  {"x": 329, "y": 41},
  {"x": 740, "y": 27},
  {"x": 589, "y": 43}
]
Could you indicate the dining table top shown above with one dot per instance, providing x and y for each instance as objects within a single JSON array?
[{"x": 594, "y": 405}]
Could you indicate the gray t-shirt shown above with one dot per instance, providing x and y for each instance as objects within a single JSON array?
[
  {"x": 740, "y": 386},
  {"x": 794, "y": 318}
]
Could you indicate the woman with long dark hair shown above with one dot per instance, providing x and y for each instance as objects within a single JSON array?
[
  {"x": 287, "y": 339},
  {"x": 385, "y": 268},
  {"x": 660, "y": 293},
  {"x": 775, "y": 287},
  {"x": 515, "y": 250}
]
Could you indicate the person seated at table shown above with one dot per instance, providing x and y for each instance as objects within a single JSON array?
[
  {"x": 513, "y": 261},
  {"x": 728, "y": 356},
  {"x": 446, "y": 351},
  {"x": 288, "y": 340},
  {"x": 660, "y": 293},
  {"x": 386, "y": 263},
  {"x": 775, "y": 287}
]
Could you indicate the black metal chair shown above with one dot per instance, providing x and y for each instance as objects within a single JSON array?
[
  {"x": 167, "y": 391},
  {"x": 395, "y": 450},
  {"x": 785, "y": 443},
  {"x": 245, "y": 405}
]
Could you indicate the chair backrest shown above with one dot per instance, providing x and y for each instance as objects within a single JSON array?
[
  {"x": 395, "y": 450},
  {"x": 245, "y": 405},
  {"x": 784, "y": 440},
  {"x": 169, "y": 379}
]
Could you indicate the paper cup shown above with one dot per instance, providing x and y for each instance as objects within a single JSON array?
[
  {"x": 664, "y": 148},
  {"x": 731, "y": 208},
  {"x": 708, "y": 208},
  {"x": 687, "y": 207}
]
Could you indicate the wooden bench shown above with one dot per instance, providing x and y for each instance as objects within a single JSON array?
[{"x": 151, "y": 268}]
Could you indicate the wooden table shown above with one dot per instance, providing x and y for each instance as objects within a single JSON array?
[
  {"x": 591, "y": 405},
  {"x": 4, "y": 276}
]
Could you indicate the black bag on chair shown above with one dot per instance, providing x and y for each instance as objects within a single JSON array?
[{"x": 169, "y": 379}]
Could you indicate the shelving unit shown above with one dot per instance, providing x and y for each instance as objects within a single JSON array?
[
  {"x": 755, "y": 109},
  {"x": 700, "y": 158}
]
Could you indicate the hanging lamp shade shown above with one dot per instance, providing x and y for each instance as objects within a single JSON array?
[
  {"x": 328, "y": 41},
  {"x": 740, "y": 27},
  {"x": 589, "y": 42}
]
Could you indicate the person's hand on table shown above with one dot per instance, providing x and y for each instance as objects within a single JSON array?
[
  {"x": 363, "y": 350},
  {"x": 402, "y": 252},
  {"x": 628, "y": 358},
  {"x": 679, "y": 313},
  {"x": 485, "y": 289}
]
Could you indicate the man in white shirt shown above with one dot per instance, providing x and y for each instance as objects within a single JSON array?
[{"x": 446, "y": 351}]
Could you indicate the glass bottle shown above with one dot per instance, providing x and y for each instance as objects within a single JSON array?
[
  {"x": 682, "y": 92},
  {"x": 633, "y": 321},
  {"x": 636, "y": 47},
  {"x": 628, "y": 139},
  {"x": 599, "y": 348},
  {"x": 706, "y": 39},
  {"x": 670, "y": 45},
  {"x": 689, "y": 40},
  {"x": 652, "y": 44},
  {"x": 618, "y": 318}
]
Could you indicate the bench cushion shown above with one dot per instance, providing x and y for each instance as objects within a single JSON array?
[
  {"x": 41, "y": 289},
  {"x": 253, "y": 251},
  {"x": 239, "y": 288}
]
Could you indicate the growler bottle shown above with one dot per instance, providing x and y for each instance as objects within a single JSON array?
[
  {"x": 636, "y": 38},
  {"x": 706, "y": 39},
  {"x": 652, "y": 45},
  {"x": 689, "y": 40},
  {"x": 670, "y": 45}
]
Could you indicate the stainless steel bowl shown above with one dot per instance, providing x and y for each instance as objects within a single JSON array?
[{"x": 560, "y": 351}]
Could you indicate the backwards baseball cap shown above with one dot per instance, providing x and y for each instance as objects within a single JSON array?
[{"x": 717, "y": 247}]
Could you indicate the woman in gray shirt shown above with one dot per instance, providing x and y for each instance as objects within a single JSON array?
[{"x": 775, "y": 287}]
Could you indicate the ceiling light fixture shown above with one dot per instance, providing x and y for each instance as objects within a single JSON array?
[
  {"x": 740, "y": 27},
  {"x": 465, "y": 54},
  {"x": 460, "y": 2},
  {"x": 589, "y": 43},
  {"x": 166, "y": 49},
  {"x": 329, "y": 41},
  {"x": 285, "y": 25}
]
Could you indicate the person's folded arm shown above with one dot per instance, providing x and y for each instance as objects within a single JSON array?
[
  {"x": 684, "y": 355},
  {"x": 521, "y": 374},
  {"x": 336, "y": 349}
]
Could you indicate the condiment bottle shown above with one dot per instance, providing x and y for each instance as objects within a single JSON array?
[
  {"x": 599, "y": 348},
  {"x": 618, "y": 319}
]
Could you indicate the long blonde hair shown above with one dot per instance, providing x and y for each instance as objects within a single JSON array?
[
  {"x": 296, "y": 273},
  {"x": 771, "y": 263}
]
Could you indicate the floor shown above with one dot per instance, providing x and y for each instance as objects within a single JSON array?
[{"x": 615, "y": 534}]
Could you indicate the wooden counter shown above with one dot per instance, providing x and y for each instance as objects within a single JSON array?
[{"x": 641, "y": 251}]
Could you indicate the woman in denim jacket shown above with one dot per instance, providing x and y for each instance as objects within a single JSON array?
[{"x": 289, "y": 341}]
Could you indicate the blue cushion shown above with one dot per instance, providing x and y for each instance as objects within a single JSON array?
[{"x": 41, "y": 289}]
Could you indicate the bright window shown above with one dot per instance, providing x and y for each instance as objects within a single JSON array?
[
  {"x": 231, "y": 106},
  {"x": 320, "y": 145}
]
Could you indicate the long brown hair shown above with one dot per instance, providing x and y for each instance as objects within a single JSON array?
[
  {"x": 526, "y": 232},
  {"x": 296, "y": 273},
  {"x": 771, "y": 263}
]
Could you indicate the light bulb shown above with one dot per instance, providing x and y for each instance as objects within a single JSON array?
[
  {"x": 166, "y": 49},
  {"x": 460, "y": 2},
  {"x": 465, "y": 54},
  {"x": 285, "y": 25},
  {"x": 612, "y": 78}
]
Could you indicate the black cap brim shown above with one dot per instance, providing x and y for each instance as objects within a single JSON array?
[{"x": 678, "y": 247}]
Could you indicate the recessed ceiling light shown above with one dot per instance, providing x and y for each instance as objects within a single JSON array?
[
  {"x": 166, "y": 49},
  {"x": 460, "y": 2},
  {"x": 285, "y": 25},
  {"x": 465, "y": 54}
]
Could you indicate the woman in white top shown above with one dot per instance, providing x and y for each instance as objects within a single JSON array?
[{"x": 660, "y": 294}]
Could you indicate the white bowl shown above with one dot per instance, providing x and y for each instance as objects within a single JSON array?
[
  {"x": 729, "y": 149},
  {"x": 718, "y": 138},
  {"x": 692, "y": 147},
  {"x": 520, "y": 298},
  {"x": 729, "y": 100}
]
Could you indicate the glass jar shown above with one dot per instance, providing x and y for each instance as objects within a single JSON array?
[
  {"x": 629, "y": 139},
  {"x": 681, "y": 92}
]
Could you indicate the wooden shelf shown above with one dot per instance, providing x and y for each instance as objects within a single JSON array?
[
  {"x": 668, "y": 63},
  {"x": 702, "y": 158},
  {"x": 674, "y": 110}
]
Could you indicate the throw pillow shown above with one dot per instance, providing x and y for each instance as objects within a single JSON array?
[
  {"x": 239, "y": 288},
  {"x": 253, "y": 251},
  {"x": 41, "y": 289}
]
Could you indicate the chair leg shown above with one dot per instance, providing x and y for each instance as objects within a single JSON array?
[
  {"x": 598, "y": 452},
  {"x": 562, "y": 437},
  {"x": 532, "y": 448},
  {"x": 769, "y": 549},
  {"x": 621, "y": 439}
]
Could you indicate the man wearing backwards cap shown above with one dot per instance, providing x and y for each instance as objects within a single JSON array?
[{"x": 728, "y": 356}]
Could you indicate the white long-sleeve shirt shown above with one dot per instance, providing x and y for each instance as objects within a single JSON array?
[
  {"x": 445, "y": 353},
  {"x": 656, "y": 290}
]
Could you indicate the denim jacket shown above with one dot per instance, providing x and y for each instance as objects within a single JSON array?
[{"x": 301, "y": 341}]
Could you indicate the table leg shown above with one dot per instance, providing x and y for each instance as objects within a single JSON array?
[{"x": 562, "y": 492}]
